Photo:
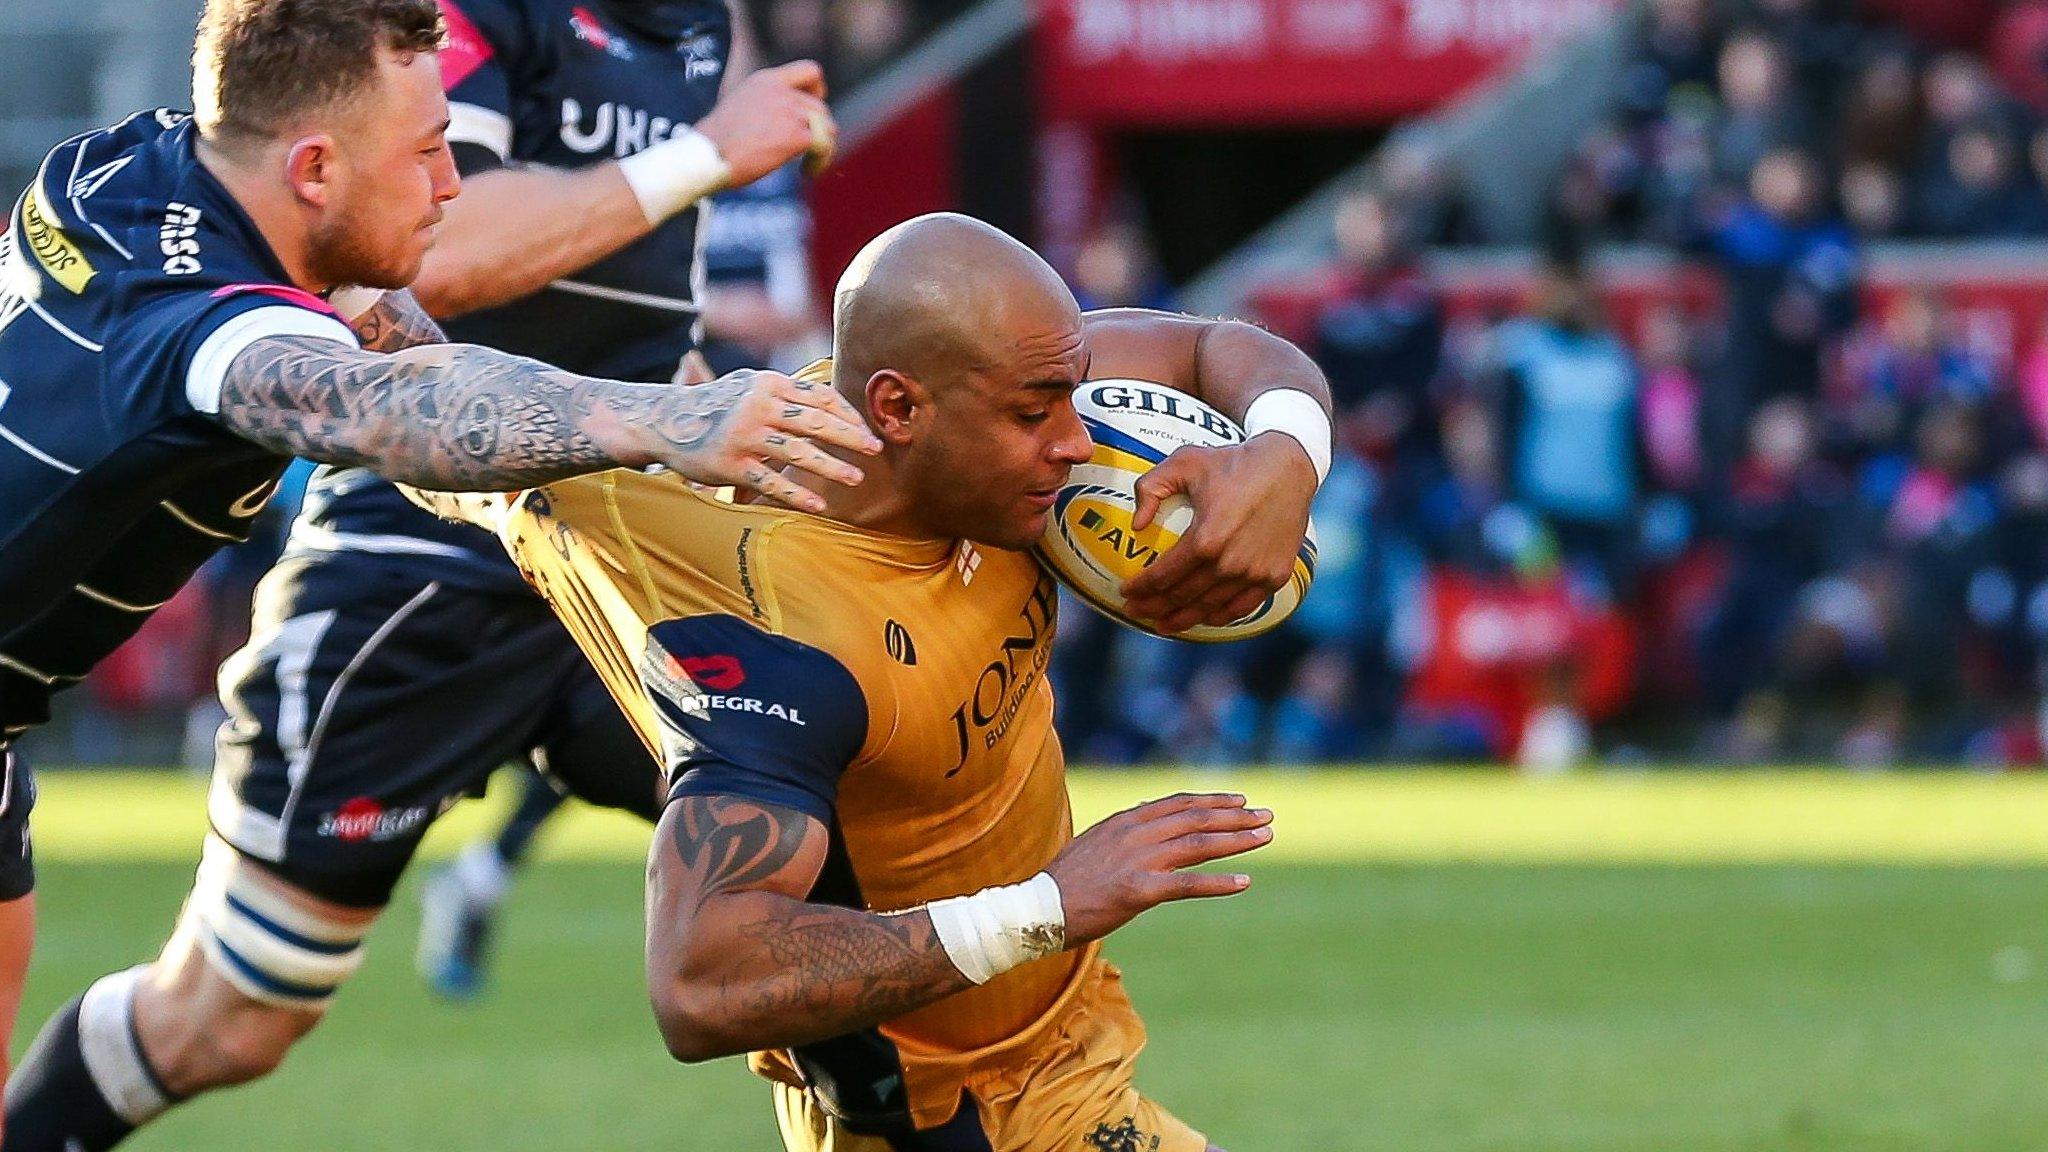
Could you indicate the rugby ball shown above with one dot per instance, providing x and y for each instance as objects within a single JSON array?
[{"x": 1089, "y": 544}]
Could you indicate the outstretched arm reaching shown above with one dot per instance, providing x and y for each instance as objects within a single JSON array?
[
  {"x": 738, "y": 960},
  {"x": 395, "y": 321},
  {"x": 463, "y": 417}
]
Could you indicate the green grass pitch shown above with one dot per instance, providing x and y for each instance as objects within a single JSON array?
[{"x": 1427, "y": 961}]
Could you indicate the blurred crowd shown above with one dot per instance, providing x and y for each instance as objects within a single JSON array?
[
  {"x": 1780, "y": 517},
  {"x": 851, "y": 38}
]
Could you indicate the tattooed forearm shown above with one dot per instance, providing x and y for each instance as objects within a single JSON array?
[
  {"x": 740, "y": 960},
  {"x": 837, "y": 970},
  {"x": 396, "y": 321},
  {"x": 460, "y": 417}
]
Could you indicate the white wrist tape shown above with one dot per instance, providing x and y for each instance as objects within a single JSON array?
[
  {"x": 996, "y": 929},
  {"x": 352, "y": 301},
  {"x": 675, "y": 173},
  {"x": 1292, "y": 412}
]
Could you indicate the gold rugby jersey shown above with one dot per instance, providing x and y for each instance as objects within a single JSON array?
[{"x": 893, "y": 688}]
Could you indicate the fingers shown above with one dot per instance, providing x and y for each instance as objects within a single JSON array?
[
  {"x": 1194, "y": 821},
  {"x": 1204, "y": 885},
  {"x": 1184, "y": 604},
  {"x": 1152, "y": 489},
  {"x": 1152, "y": 587},
  {"x": 804, "y": 418},
  {"x": 784, "y": 448},
  {"x": 1241, "y": 606},
  {"x": 824, "y": 142},
  {"x": 802, "y": 75},
  {"x": 1203, "y": 847},
  {"x": 827, "y": 400},
  {"x": 1181, "y": 802},
  {"x": 763, "y": 477}
]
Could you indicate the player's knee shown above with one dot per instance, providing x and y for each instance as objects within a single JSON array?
[{"x": 251, "y": 969}]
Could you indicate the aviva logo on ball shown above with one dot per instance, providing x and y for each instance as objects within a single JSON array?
[
  {"x": 1089, "y": 543},
  {"x": 1101, "y": 526}
]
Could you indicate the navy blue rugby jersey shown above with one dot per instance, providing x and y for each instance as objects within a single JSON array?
[
  {"x": 129, "y": 280},
  {"x": 564, "y": 84}
]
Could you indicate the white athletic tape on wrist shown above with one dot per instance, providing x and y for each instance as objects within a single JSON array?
[
  {"x": 352, "y": 302},
  {"x": 1292, "y": 412},
  {"x": 674, "y": 174},
  {"x": 996, "y": 929},
  {"x": 113, "y": 1058},
  {"x": 269, "y": 948}
]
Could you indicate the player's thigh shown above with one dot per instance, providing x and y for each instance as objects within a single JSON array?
[
  {"x": 364, "y": 706},
  {"x": 1076, "y": 1091},
  {"x": 591, "y": 750}
]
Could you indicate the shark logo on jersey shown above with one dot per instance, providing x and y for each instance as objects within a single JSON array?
[
  {"x": 84, "y": 187},
  {"x": 700, "y": 56}
]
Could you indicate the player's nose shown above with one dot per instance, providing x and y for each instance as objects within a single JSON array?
[
  {"x": 447, "y": 181},
  {"x": 1071, "y": 445}
]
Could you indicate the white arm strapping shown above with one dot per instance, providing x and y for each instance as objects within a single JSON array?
[
  {"x": 676, "y": 173},
  {"x": 996, "y": 929},
  {"x": 1292, "y": 412}
]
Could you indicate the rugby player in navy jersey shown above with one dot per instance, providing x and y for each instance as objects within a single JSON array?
[
  {"x": 183, "y": 309},
  {"x": 757, "y": 311}
]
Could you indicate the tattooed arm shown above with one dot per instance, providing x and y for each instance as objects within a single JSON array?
[
  {"x": 466, "y": 418},
  {"x": 738, "y": 960},
  {"x": 396, "y": 321}
]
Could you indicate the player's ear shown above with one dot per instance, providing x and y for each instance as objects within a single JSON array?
[
  {"x": 893, "y": 399},
  {"x": 309, "y": 167}
]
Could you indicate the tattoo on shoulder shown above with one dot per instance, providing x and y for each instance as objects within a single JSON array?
[
  {"x": 729, "y": 843},
  {"x": 397, "y": 321}
]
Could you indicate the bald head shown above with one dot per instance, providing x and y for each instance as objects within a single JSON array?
[{"x": 941, "y": 298}]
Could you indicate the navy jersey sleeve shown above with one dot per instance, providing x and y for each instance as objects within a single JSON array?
[
  {"x": 486, "y": 40},
  {"x": 189, "y": 338},
  {"x": 747, "y": 713}
]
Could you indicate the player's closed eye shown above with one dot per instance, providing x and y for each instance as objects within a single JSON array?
[{"x": 1038, "y": 417}]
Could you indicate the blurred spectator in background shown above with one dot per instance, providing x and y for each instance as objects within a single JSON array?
[
  {"x": 1881, "y": 114},
  {"x": 1568, "y": 395},
  {"x": 1784, "y": 518},
  {"x": 1789, "y": 272},
  {"x": 1429, "y": 192},
  {"x": 1983, "y": 188},
  {"x": 1892, "y": 368},
  {"x": 1874, "y": 201},
  {"x": 865, "y": 35},
  {"x": 1762, "y": 111},
  {"x": 1381, "y": 338},
  {"x": 1674, "y": 59},
  {"x": 1670, "y": 405},
  {"x": 1115, "y": 267}
]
